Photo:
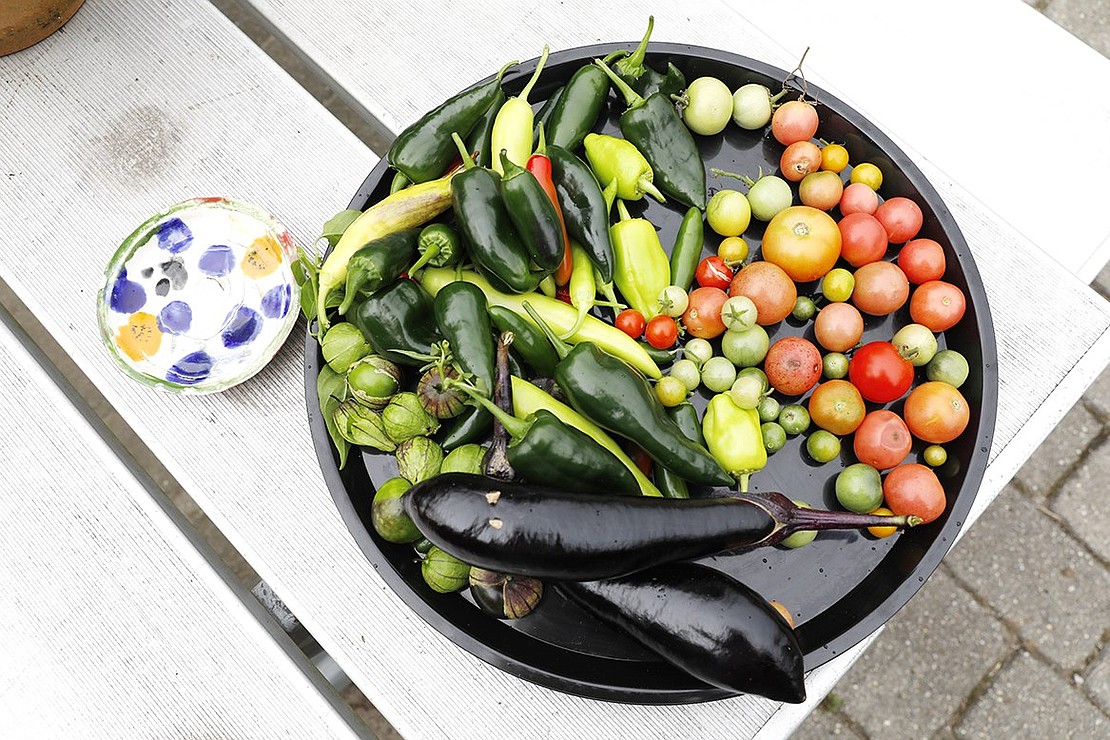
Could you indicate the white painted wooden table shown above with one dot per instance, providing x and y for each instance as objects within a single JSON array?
[{"x": 141, "y": 104}]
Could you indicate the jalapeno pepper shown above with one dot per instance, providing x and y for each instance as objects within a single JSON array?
[
  {"x": 398, "y": 317},
  {"x": 533, "y": 214},
  {"x": 654, "y": 127},
  {"x": 543, "y": 117},
  {"x": 608, "y": 391},
  {"x": 379, "y": 263},
  {"x": 486, "y": 227},
  {"x": 480, "y": 137},
  {"x": 438, "y": 246},
  {"x": 687, "y": 248},
  {"x": 619, "y": 160},
  {"x": 642, "y": 268},
  {"x": 460, "y": 311},
  {"x": 528, "y": 341},
  {"x": 644, "y": 79},
  {"x": 540, "y": 166},
  {"x": 732, "y": 434},
  {"x": 512, "y": 129},
  {"x": 424, "y": 150},
  {"x": 583, "y": 207},
  {"x": 578, "y": 107},
  {"x": 686, "y": 417}
]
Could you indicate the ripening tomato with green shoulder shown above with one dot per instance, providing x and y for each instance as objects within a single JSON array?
[{"x": 803, "y": 241}]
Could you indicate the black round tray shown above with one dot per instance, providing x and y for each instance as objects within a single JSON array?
[{"x": 840, "y": 588}]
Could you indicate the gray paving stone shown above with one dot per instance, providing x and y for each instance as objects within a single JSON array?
[
  {"x": 821, "y": 724},
  {"x": 1082, "y": 500},
  {"x": 1098, "y": 679},
  {"x": 1098, "y": 395},
  {"x": 1037, "y": 578},
  {"x": 1059, "y": 451},
  {"x": 1089, "y": 20},
  {"x": 914, "y": 678},
  {"x": 1027, "y": 699}
]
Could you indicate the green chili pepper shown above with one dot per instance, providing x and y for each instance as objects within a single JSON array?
[
  {"x": 556, "y": 313},
  {"x": 480, "y": 137},
  {"x": 662, "y": 357},
  {"x": 619, "y": 160},
  {"x": 578, "y": 107},
  {"x": 644, "y": 79},
  {"x": 653, "y": 126},
  {"x": 528, "y": 341},
  {"x": 612, "y": 394},
  {"x": 582, "y": 288},
  {"x": 584, "y": 208},
  {"x": 686, "y": 417},
  {"x": 533, "y": 214},
  {"x": 460, "y": 311},
  {"x": 642, "y": 268},
  {"x": 734, "y": 437},
  {"x": 544, "y": 449},
  {"x": 687, "y": 248},
  {"x": 513, "y": 128},
  {"x": 528, "y": 399},
  {"x": 379, "y": 263},
  {"x": 438, "y": 245},
  {"x": 398, "y": 317},
  {"x": 424, "y": 150},
  {"x": 484, "y": 222},
  {"x": 543, "y": 117}
]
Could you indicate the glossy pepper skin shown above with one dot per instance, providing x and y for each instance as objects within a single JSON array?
[
  {"x": 513, "y": 126},
  {"x": 583, "y": 206},
  {"x": 608, "y": 391},
  {"x": 487, "y": 229},
  {"x": 528, "y": 341},
  {"x": 543, "y": 117},
  {"x": 398, "y": 317},
  {"x": 618, "y": 160},
  {"x": 733, "y": 436},
  {"x": 424, "y": 150},
  {"x": 534, "y": 215},
  {"x": 578, "y": 108},
  {"x": 644, "y": 79},
  {"x": 686, "y": 417},
  {"x": 480, "y": 137},
  {"x": 460, "y": 311},
  {"x": 654, "y": 127},
  {"x": 642, "y": 269},
  {"x": 687, "y": 248},
  {"x": 379, "y": 263},
  {"x": 539, "y": 164}
]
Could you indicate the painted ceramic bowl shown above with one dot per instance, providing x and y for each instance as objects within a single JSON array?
[{"x": 200, "y": 296}]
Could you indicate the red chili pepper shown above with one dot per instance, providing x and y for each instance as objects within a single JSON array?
[{"x": 540, "y": 166}]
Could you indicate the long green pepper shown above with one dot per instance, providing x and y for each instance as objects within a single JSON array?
[
  {"x": 688, "y": 247},
  {"x": 460, "y": 310},
  {"x": 584, "y": 208},
  {"x": 578, "y": 107},
  {"x": 642, "y": 268}
]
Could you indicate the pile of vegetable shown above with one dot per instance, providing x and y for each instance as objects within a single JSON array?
[{"x": 500, "y": 323}]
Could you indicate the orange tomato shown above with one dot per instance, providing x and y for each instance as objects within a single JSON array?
[
  {"x": 837, "y": 407},
  {"x": 803, "y": 241}
]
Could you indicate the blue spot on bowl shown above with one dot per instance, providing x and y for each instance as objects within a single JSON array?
[
  {"x": 175, "y": 318},
  {"x": 127, "y": 296},
  {"x": 217, "y": 261},
  {"x": 242, "y": 327},
  {"x": 275, "y": 304},
  {"x": 191, "y": 369},
  {"x": 174, "y": 236}
]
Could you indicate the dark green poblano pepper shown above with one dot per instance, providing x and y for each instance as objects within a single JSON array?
[{"x": 378, "y": 263}]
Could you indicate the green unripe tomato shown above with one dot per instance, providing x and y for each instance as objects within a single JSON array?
[
  {"x": 774, "y": 438},
  {"x": 835, "y": 365},
  {"x": 823, "y": 446},
  {"x": 687, "y": 371},
  {"x": 709, "y": 108},
  {"x": 670, "y": 391},
  {"x": 746, "y": 348},
  {"x": 935, "y": 456},
  {"x": 718, "y": 374},
  {"x": 769, "y": 409},
  {"x": 794, "y": 418},
  {"x": 698, "y": 351},
  {"x": 859, "y": 488},
  {"x": 837, "y": 285},
  {"x": 804, "y": 308},
  {"x": 948, "y": 366},
  {"x": 802, "y": 538}
]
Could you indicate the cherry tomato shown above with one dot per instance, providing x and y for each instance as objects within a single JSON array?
[
  {"x": 631, "y": 322},
  {"x": 882, "y": 440},
  {"x": 922, "y": 260},
  {"x": 803, "y": 241},
  {"x": 868, "y": 174},
  {"x": 799, "y": 159},
  {"x": 703, "y": 315},
  {"x": 795, "y": 120},
  {"x": 662, "y": 332},
  {"x": 793, "y": 365},
  {"x": 838, "y": 327},
  {"x": 881, "y": 288},
  {"x": 858, "y": 198},
  {"x": 879, "y": 372},
  {"x": 901, "y": 218},
  {"x": 834, "y": 157},
  {"x": 914, "y": 489},
  {"x": 713, "y": 272},
  {"x": 882, "y": 532},
  {"x": 837, "y": 285},
  {"x": 769, "y": 288},
  {"x": 733, "y": 250},
  {"x": 862, "y": 239},
  {"x": 822, "y": 190},
  {"x": 836, "y": 406},
  {"x": 937, "y": 305},
  {"x": 936, "y": 412}
]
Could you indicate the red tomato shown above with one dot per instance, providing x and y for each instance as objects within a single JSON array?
[
  {"x": 858, "y": 198},
  {"x": 882, "y": 440},
  {"x": 714, "y": 273},
  {"x": 901, "y": 218},
  {"x": 793, "y": 365},
  {"x": 881, "y": 288},
  {"x": 769, "y": 288},
  {"x": 914, "y": 489},
  {"x": 879, "y": 372},
  {"x": 922, "y": 260},
  {"x": 662, "y": 332},
  {"x": 838, "y": 327},
  {"x": 794, "y": 120},
  {"x": 803, "y": 241},
  {"x": 937, "y": 305},
  {"x": 936, "y": 412},
  {"x": 703, "y": 315},
  {"x": 862, "y": 239},
  {"x": 631, "y": 322},
  {"x": 799, "y": 159},
  {"x": 837, "y": 407}
]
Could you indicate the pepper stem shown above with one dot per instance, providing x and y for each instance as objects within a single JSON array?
[
  {"x": 622, "y": 211},
  {"x": 610, "y": 195},
  {"x": 541, "y": 146},
  {"x": 535, "y": 75},
  {"x": 607, "y": 291},
  {"x": 516, "y": 428},
  {"x": 400, "y": 182},
  {"x": 633, "y": 65},
  {"x": 632, "y": 98},
  {"x": 583, "y": 310},
  {"x": 509, "y": 168},
  {"x": 467, "y": 160},
  {"x": 561, "y": 347},
  {"x": 503, "y": 70},
  {"x": 429, "y": 255},
  {"x": 735, "y": 175}
]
